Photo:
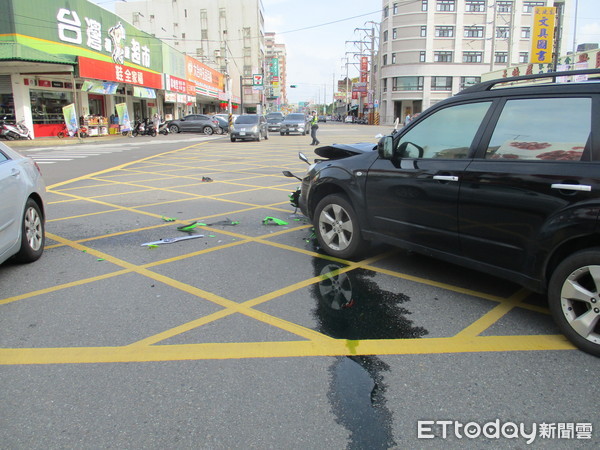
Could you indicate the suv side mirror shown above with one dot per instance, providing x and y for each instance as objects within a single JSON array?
[{"x": 385, "y": 147}]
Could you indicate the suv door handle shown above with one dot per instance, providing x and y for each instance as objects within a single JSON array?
[
  {"x": 445, "y": 178},
  {"x": 15, "y": 172},
  {"x": 571, "y": 187}
]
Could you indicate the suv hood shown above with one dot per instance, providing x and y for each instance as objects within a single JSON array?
[{"x": 339, "y": 151}]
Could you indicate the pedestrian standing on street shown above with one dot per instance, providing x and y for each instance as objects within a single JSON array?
[
  {"x": 156, "y": 121},
  {"x": 314, "y": 126}
]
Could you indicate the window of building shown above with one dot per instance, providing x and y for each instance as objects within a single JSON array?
[
  {"x": 525, "y": 33},
  {"x": 528, "y": 7},
  {"x": 385, "y": 36},
  {"x": 203, "y": 34},
  {"x": 247, "y": 70},
  {"x": 523, "y": 57},
  {"x": 475, "y": 6},
  {"x": 394, "y": 33},
  {"x": 502, "y": 32},
  {"x": 444, "y": 31},
  {"x": 395, "y": 8},
  {"x": 423, "y": 30},
  {"x": 422, "y": 57},
  {"x": 474, "y": 32},
  {"x": 47, "y": 106},
  {"x": 472, "y": 57},
  {"x": 501, "y": 57},
  {"x": 441, "y": 83},
  {"x": 384, "y": 85},
  {"x": 465, "y": 82},
  {"x": 504, "y": 7},
  {"x": 386, "y": 11},
  {"x": 442, "y": 56},
  {"x": 407, "y": 84},
  {"x": 445, "y": 5},
  {"x": 384, "y": 62},
  {"x": 393, "y": 58},
  {"x": 424, "y": 5}
]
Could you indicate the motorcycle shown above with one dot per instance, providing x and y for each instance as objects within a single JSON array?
[
  {"x": 83, "y": 132},
  {"x": 12, "y": 131},
  {"x": 163, "y": 128},
  {"x": 144, "y": 128}
]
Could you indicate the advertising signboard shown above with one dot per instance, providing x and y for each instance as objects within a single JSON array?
[
  {"x": 81, "y": 28},
  {"x": 91, "y": 68},
  {"x": 542, "y": 37}
]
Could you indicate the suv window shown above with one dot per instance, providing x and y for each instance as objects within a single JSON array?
[
  {"x": 542, "y": 129},
  {"x": 447, "y": 133}
]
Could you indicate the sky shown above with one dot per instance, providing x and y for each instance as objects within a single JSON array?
[{"x": 316, "y": 32}]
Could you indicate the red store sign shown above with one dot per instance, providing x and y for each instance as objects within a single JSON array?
[
  {"x": 175, "y": 84},
  {"x": 101, "y": 70}
]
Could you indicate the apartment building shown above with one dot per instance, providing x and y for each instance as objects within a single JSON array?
[
  {"x": 227, "y": 35},
  {"x": 275, "y": 74},
  {"x": 431, "y": 49}
]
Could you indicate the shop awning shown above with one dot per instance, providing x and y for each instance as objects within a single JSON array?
[{"x": 14, "y": 51}]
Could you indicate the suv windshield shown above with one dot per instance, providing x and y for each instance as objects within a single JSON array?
[
  {"x": 295, "y": 117},
  {"x": 246, "y": 120}
]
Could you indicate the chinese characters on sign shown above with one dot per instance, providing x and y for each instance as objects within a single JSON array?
[
  {"x": 542, "y": 39},
  {"x": 101, "y": 70},
  {"x": 70, "y": 30}
]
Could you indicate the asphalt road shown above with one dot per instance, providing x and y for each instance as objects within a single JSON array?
[{"x": 246, "y": 336}]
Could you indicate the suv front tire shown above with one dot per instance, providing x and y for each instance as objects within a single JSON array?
[{"x": 337, "y": 228}]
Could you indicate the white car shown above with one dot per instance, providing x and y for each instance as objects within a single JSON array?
[{"x": 22, "y": 212}]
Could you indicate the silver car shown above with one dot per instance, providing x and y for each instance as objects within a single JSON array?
[
  {"x": 249, "y": 126},
  {"x": 22, "y": 213}
]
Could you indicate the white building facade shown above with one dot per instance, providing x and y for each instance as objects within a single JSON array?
[
  {"x": 227, "y": 35},
  {"x": 431, "y": 49}
]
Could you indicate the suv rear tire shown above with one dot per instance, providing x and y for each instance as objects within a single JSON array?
[
  {"x": 574, "y": 299},
  {"x": 336, "y": 226}
]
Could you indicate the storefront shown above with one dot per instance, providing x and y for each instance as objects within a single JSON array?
[{"x": 90, "y": 60}]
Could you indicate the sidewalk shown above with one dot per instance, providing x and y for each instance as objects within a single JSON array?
[{"x": 55, "y": 141}]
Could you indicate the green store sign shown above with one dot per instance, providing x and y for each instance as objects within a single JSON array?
[{"x": 80, "y": 28}]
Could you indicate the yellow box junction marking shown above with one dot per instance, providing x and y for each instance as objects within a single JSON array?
[{"x": 310, "y": 342}]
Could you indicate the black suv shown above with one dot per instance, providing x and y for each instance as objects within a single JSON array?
[{"x": 504, "y": 178}]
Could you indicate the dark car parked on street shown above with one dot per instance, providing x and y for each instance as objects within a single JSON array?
[
  {"x": 223, "y": 125},
  {"x": 295, "y": 123},
  {"x": 249, "y": 126},
  {"x": 502, "y": 178},
  {"x": 199, "y": 123}
]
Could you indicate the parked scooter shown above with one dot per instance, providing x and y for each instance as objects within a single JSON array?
[
  {"x": 83, "y": 132},
  {"x": 12, "y": 131},
  {"x": 163, "y": 128},
  {"x": 144, "y": 128}
]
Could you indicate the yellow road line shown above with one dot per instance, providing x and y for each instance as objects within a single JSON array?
[
  {"x": 242, "y": 350},
  {"x": 491, "y": 317}
]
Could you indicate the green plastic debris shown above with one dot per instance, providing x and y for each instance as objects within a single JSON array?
[
  {"x": 152, "y": 246},
  {"x": 190, "y": 226},
  {"x": 273, "y": 221},
  {"x": 168, "y": 219}
]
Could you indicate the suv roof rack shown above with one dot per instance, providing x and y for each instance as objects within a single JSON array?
[{"x": 488, "y": 85}]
